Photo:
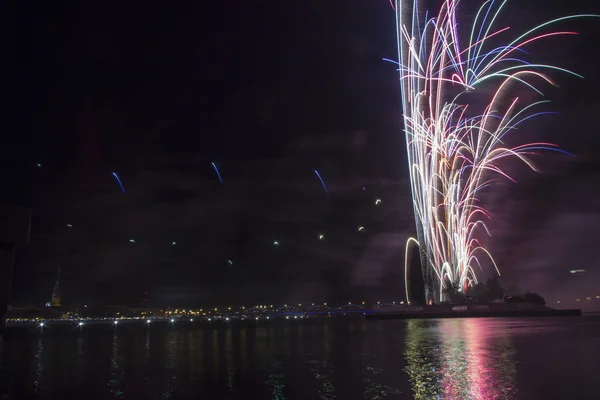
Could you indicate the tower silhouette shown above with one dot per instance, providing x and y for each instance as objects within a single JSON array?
[{"x": 56, "y": 292}]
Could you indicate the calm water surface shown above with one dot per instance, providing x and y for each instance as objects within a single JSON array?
[{"x": 335, "y": 358}]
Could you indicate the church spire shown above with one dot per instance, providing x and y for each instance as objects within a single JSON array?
[{"x": 56, "y": 292}]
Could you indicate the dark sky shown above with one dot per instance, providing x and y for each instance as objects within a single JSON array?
[{"x": 269, "y": 91}]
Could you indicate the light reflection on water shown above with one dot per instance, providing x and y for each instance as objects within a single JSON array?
[
  {"x": 455, "y": 359},
  {"x": 325, "y": 359},
  {"x": 115, "y": 383},
  {"x": 229, "y": 361},
  {"x": 39, "y": 365},
  {"x": 169, "y": 371}
]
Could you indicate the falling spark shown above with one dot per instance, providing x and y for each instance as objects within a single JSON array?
[
  {"x": 119, "y": 180},
  {"x": 217, "y": 171},
  {"x": 322, "y": 182}
]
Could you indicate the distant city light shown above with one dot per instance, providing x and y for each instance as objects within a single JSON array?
[
  {"x": 256, "y": 312},
  {"x": 131, "y": 240}
]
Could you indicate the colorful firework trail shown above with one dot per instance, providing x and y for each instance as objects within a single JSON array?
[
  {"x": 453, "y": 146},
  {"x": 217, "y": 171},
  {"x": 322, "y": 181},
  {"x": 119, "y": 180}
]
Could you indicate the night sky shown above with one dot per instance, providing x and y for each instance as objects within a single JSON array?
[{"x": 269, "y": 91}]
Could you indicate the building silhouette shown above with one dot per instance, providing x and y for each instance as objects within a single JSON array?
[{"x": 56, "y": 292}]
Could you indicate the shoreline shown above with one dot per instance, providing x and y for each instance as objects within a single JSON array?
[{"x": 475, "y": 311}]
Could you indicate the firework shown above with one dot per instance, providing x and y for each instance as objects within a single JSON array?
[
  {"x": 119, "y": 180},
  {"x": 217, "y": 171},
  {"x": 322, "y": 181},
  {"x": 454, "y": 145}
]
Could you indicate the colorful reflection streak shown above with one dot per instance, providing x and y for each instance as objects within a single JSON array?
[{"x": 455, "y": 359}]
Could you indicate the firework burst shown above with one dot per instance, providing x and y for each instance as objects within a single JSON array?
[{"x": 454, "y": 145}]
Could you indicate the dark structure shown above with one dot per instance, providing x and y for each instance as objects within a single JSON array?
[
  {"x": 475, "y": 311},
  {"x": 55, "y": 302},
  {"x": 416, "y": 283}
]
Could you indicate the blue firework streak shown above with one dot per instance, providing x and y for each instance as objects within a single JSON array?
[
  {"x": 119, "y": 180},
  {"x": 322, "y": 182},
  {"x": 217, "y": 171}
]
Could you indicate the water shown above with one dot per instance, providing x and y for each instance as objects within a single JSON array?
[{"x": 336, "y": 358}]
